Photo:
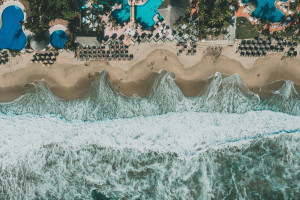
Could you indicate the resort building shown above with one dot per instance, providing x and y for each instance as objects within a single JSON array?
[{"x": 172, "y": 10}]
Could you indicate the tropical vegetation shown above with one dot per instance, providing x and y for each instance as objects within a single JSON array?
[
  {"x": 244, "y": 29},
  {"x": 43, "y": 11},
  {"x": 292, "y": 32},
  {"x": 213, "y": 17}
]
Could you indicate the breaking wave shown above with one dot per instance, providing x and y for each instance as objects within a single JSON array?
[
  {"x": 225, "y": 143},
  {"x": 225, "y": 95},
  {"x": 174, "y": 156}
]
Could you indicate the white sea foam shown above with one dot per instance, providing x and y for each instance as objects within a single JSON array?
[
  {"x": 226, "y": 95},
  {"x": 177, "y": 155},
  {"x": 182, "y": 133}
]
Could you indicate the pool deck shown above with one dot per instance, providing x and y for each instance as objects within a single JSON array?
[
  {"x": 275, "y": 27},
  {"x": 58, "y": 24},
  {"x": 6, "y": 3}
]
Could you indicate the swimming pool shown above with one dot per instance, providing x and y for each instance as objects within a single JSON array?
[
  {"x": 267, "y": 10},
  {"x": 123, "y": 14},
  {"x": 11, "y": 33},
  {"x": 144, "y": 13},
  {"x": 58, "y": 39}
]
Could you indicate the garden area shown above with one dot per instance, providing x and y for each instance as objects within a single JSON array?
[{"x": 244, "y": 29}]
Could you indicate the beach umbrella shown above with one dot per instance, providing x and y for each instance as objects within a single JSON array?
[
  {"x": 258, "y": 54},
  {"x": 295, "y": 53},
  {"x": 281, "y": 48},
  {"x": 121, "y": 37}
]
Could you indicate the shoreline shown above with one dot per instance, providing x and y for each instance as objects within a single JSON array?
[{"x": 72, "y": 80}]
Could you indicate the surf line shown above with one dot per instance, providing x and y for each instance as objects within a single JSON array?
[{"x": 250, "y": 138}]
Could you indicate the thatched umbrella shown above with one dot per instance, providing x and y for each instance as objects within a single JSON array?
[
  {"x": 295, "y": 53},
  {"x": 264, "y": 53},
  {"x": 258, "y": 54},
  {"x": 248, "y": 52},
  {"x": 294, "y": 44},
  {"x": 291, "y": 51},
  {"x": 281, "y": 48}
]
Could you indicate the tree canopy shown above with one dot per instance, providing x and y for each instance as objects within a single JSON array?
[{"x": 43, "y": 11}]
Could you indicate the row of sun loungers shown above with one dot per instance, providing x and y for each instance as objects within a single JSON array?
[
  {"x": 184, "y": 48},
  {"x": 259, "y": 47},
  {"x": 4, "y": 57},
  {"x": 269, "y": 41},
  {"x": 106, "y": 57},
  {"x": 45, "y": 58}
]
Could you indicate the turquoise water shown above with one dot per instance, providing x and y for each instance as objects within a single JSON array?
[
  {"x": 144, "y": 14},
  {"x": 58, "y": 39},
  {"x": 11, "y": 34},
  {"x": 218, "y": 145},
  {"x": 123, "y": 14},
  {"x": 267, "y": 10}
]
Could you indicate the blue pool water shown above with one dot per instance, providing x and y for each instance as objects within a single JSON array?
[
  {"x": 11, "y": 34},
  {"x": 123, "y": 14},
  {"x": 58, "y": 39},
  {"x": 267, "y": 10},
  {"x": 144, "y": 13}
]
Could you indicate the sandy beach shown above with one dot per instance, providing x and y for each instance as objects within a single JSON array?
[{"x": 71, "y": 79}]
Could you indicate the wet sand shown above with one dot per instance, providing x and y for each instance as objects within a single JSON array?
[{"x": 69, "y": 79}]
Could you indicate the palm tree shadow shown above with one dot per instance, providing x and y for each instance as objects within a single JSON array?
[
  {"x": 17, "y": 36},
  {"x": 267, "y": 12}
]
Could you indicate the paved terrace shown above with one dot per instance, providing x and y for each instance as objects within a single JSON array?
[{"x": 244, "y": 11}]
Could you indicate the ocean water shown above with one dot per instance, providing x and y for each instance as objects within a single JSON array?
[{"x": 226, "y": 143}]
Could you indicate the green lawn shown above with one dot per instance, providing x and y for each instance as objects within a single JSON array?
[{"x": 244, "y": 29}]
